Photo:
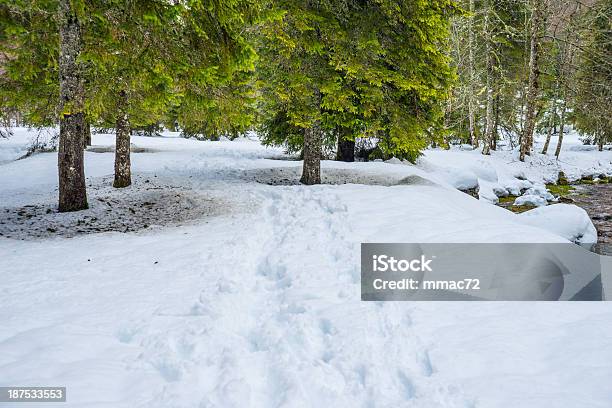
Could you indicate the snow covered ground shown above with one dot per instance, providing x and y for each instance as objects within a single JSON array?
[
  {"x": 502, "y": 173},
  {"x": 255, "y": 301}
]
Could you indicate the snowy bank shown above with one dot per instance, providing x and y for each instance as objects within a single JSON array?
[
  {"x": 502, "y": 173},
  {"x": 568, "y": 221}
]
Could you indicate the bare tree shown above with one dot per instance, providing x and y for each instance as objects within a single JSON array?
[
  {"x": 533, "y": 86},
  {"x": 472, "y": 80},
  {"x": 490, "y": 56}
]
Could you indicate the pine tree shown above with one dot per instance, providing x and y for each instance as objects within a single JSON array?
[
  {"x": 29, "y": 55},
  {"x": 72, "y": 190},
  {"x": 215, "y": 64},
  {"x": 370, "y": 69},
  {"x": 129, "y": 47},
  {"x": 44, "y": 77},
  {"x": 295, "y": 66},
  {"x": 127, "y": 66}
]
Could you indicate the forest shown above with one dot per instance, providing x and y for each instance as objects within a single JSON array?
[
  {"x": 306, "y": 203},
  {"x": 325, "y": 79}
]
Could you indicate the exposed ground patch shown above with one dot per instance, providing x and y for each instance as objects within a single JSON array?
[
  {"x": 111, "y": 149},
  {"x": 148, "y": 203},
  {"x": 290, "y": 176}
]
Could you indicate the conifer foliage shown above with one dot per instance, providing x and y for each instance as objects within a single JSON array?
[
  {"x": 316, "y": 76},
  {"x": 341, "y": 70},
  {"x": 120, "y": 64}
]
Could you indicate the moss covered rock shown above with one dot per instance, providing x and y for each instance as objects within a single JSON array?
[{"x": 562, "y": 179}]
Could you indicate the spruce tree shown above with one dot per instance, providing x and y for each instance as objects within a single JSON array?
[
  {"x": 366, "y": 69},
  {"x": 214, "y": 69},
  {"x": 29, "y": 56},
  {"x": 72, "y": 190},
  {"x": 129, "y": 48},
  {"x": 44, "y": 76}
]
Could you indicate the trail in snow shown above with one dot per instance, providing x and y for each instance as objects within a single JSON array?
[{"x": 286, "y": 321}]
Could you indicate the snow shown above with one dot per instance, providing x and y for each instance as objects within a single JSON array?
[
  {"x": 458, "y": 178},
  {"x": 502, "y": 171},
  {"x": 256, "y": 302},
  {"x": 530, "y": 199},
  {"x": 15, "y": 146},
  {"x": 540, "y": 191},
  {"x": 568, "y": 221}
]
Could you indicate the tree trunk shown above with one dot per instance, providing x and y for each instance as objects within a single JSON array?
[
  {"x": 534, "y": 76},
  {"x": 123, "y": 177},
  {"x": 346, "y": 147},
  {"x": 87, "y": 139},
  {"x": 311, "y": 173},
  {"x": 71, "y": 168},
  {"x": 551, "y": 127},
  {"x": 496, "y": 126},
  {"x": 561, "y": 129},
  {"x": 447, "y": 122},
  {"x": 488, "y": 139},
  {"x": 472, "y": 71},
  {"x": 600, "y": 142}
]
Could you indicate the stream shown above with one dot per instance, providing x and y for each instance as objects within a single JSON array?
[{"x": 595, "y": 199}]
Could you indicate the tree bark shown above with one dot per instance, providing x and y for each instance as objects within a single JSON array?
[
  {"x": 486, "y": 149},
  {"x": 87, "y": 138},
  {"x": 311, "y": 172},
  {"x": 496, "y": 126},
  {"x": 447, "y": 122},
  {"x": 472, "y": 72},
  {"x": 71, "y": 168},
  {"x": 551, "y": 127},
  {"x": 534, "y": 76},
  {"x": 346, "y": 147},
  {"x": 561, "y": 129},
  {"x": 123, "y": 177}
]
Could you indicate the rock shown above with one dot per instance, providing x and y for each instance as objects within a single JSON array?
[
  {"x": 500, "y": 191},
  {"x": 603, "y": 179},
  {"x": 530, "y": 200},
  {"x": 471, "y": 191},
  {"x": 562, "y": 179},
  {"x": 542, "y": 191},
  {"x": 521, "y": 176}
]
